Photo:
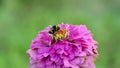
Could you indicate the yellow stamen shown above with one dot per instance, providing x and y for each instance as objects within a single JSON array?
[{"x": 61, "y": 34}]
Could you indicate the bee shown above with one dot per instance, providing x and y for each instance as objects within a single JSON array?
[
  {"x": 57, "y": 32},
  {"x": 54, "y": 29}
]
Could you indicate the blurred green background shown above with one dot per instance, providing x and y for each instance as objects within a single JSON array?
[{"x": 20, "y": 21}]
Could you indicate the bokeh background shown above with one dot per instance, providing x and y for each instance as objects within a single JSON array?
[{"x": 20, "y": 21}]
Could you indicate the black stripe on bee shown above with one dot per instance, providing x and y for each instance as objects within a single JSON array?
[{"x": 54, "y": 29}]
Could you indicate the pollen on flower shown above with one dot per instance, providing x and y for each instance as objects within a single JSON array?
[{"x": 60, "y": 34}]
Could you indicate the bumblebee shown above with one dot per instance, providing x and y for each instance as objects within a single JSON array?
[
  {"x": 57, "y": 32},
  {"x": 54, "y": 29}
]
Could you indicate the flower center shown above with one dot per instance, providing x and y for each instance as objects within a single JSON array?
[{"x": 60, "y": 34}]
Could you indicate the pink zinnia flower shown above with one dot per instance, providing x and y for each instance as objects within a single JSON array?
[{"x": 63, "y": 46}]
